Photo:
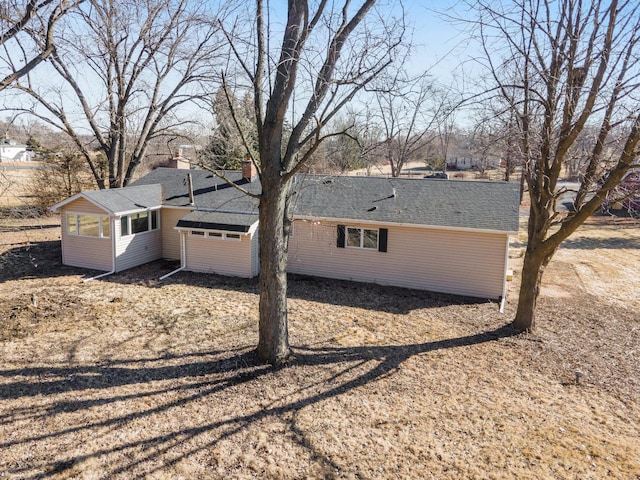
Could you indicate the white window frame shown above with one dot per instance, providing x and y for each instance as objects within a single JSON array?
[
  {"x": 150, "y": 215},
  {"x": 362, "y": 236},
  {"x": 216, "y": 235},
  {"x": 77, "y": 233}
]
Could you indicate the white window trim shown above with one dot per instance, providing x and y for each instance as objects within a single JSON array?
[
  {"x": 220, "y": 235},
  {"x": 77, "y": 232},
  {"x": 361, "y": 230},
  {"x": 149, "y": 223}
]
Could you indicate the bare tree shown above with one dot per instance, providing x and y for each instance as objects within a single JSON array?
[
  {"x": 61, "y": 176},
  {"x": 404, "y": 114},
  {"x": 494, "y": 139},
  {"x": 20, "y": 23},
  {"x": 327, "y": 55},
  {"x": 128, "y": 71},
  {"x": 563, "y": 68}
]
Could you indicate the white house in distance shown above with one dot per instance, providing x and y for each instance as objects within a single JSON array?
[
  {"x": 437, "y": 235},
  {"x": 11, "y": 151}
]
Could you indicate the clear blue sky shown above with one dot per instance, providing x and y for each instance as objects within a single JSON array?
[{"x": 442, "y": 45}]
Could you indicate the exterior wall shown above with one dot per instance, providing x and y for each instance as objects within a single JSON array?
[
  {"x": 443, "y": 261},
  {"x": 224, "y": 257},
  {"x": 170, "y": 236},
  {"x": 137, "y": 249},
  {"x": 82, "y": 205},
  {"x": 14, "y": 153},
  {"x": 85, "y": 252}
]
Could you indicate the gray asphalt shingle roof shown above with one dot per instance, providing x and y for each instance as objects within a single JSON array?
[
  {"x": 443, "y": 203},
  {"x": 233, "y": 222},
  {"x": 127, "y": 199},
  {"x": 209, "y": 191}
]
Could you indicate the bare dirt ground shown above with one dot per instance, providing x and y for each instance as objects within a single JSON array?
[{"x": 129, "y": 377}]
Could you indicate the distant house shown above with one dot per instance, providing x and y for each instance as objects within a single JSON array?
[
  {"x": 437, "y": 235},
  {"x": 459, "y": 163},
  {"x": 11, "y": 151}
]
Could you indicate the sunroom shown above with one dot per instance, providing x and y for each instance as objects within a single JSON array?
[{"x": 111, "y": 230}]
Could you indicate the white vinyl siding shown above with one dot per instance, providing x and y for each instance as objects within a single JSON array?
[
  {"x": 138, "y": 249},
  {"x": 85, "y": 251},
  {"x": 447, "y": 261},
  {"x": 224, "y": 257},
  {"x": 170, "y": 236}
]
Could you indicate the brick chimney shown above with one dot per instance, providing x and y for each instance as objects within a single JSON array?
[
  {"x": 178, "y": 161},
  {"x": 248, "y": 169}
]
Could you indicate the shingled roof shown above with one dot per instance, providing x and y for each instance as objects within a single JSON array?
[
  {"x": 232, "y": 222},
  {"x": 118, "y": 200},
  {"x": 441, "y": 203},
  {"x": 209, "y": 191},
  {"x": 429, "y": 202}
]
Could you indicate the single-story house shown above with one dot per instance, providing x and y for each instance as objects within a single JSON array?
[
  {"x": 438, "y": 235},
  {"x": 11, "y": 151}
]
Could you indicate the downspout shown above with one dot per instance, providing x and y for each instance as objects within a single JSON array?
[
  {"x": 503, "y": 300},
  {"x": 113, "y": 255},
  {"x": 183, "y": 256}
]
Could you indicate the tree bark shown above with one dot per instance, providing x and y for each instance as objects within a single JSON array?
[
  {"x": 532, "y": 270},
  {"x": 273, "y": 343}
]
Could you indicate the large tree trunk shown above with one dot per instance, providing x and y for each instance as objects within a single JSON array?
[
  {"x": 534, "y": 264},
  {"x": 273, "y": 343}
]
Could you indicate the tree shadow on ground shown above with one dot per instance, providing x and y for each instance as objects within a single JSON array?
[
  {"x": 44, "y": 260},
  {"x": 367, "y": 296},
  {"x": 586, "y": 243},
  {"x": 35, "y": 260},
  {"x": 201, "y": 376}
]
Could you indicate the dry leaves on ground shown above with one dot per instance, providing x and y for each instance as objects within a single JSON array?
[{"x": 129, "y": 377}]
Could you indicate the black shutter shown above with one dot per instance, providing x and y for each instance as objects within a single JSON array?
[
  {"x": 341, "y": 236},
  {"x": 383, "y": 233}
]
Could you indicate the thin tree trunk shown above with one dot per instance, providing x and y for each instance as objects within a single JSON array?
[{"x": 273, "y": 343}]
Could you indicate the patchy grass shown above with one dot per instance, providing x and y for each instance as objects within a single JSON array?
[{"x": 129, "y": 377}]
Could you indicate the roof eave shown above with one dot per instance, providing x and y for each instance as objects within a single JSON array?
[
  {"x": 403, "y": 224},
  {"x": 59, "y": 205}
]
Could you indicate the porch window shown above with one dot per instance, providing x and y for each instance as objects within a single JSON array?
[
  {"x": 124, "y": 226},
  {"x": 72, "y": 224},
  {"x": 88, "y": 225},
  {"x": 139, "y": 222}
]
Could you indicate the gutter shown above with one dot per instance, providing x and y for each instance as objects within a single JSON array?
[
  {"x": 363, "y": 221},
  {"x": 183, "y": 258}
]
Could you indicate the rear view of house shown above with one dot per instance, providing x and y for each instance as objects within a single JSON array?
[{"x": 438, "y": 235}]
